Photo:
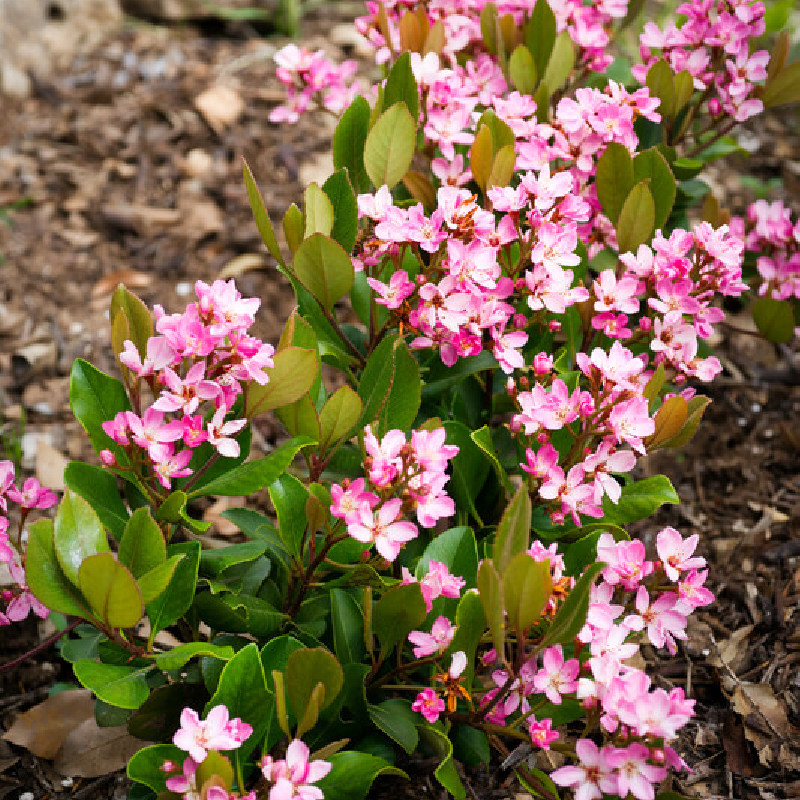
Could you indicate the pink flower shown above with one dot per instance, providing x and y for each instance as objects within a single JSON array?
[
  {"x": 185, "y": 784},
  {"x": 437, "y": 641},
  {"x": 675, "y": 552},
  {"x": 592, "y": 776},
  {"x": 33, "y": 495},
  {"x": 557, "y": 677},
  {"x": 439, "y": 582},
  {"x": 383, "y": 528},
  {"x": 634, "y": 773},
  {"x": 216, "y": 732},
  {"x": 429, "y": 704},
  {"x": 542, "y": 733},
  {"x": 292, "y": 777}
]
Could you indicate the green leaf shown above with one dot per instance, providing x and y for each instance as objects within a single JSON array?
[
  {"x": 614, "y": 179},
  {"x": 697, "y": 407},
  {"x": 439, "y": 378},
  {"x": 502, "y": 135},
  {"x": 339, "y": 416},
  {"x": 661, "y": 83},
  {"x": 446, "y": 773},
  {"x": 293, "y": 373},
  {"x": 45, "y": 577},
  {"x": 96, "y": 398},
  {"x": 317, "y": 211},
  {"x": 352, "y": 773},
  {"x": 98, "y": 487},
  {"x": 239, "y": 613},
  {"x": 142, "y": 547},
  {"x": 636, "y": 219},
  {"x": 540, "y": 34},
  {"x": 582, "y": 553},
  {"x": 491, "y": 594},
  {"x": 123, "y": 687},
  {"x": 774, "y": 319},
  {"x": 470, "y": 745},
  {"x": 243, "y": 689},
  {"x": 405, "y": 393},
  {"x": 784, "y": 88},
  {"x": 470, "y": 627},
  {"x": 111, "y": 590},
  {"x": 527, "y": 587},
  {"x": 396, "y": 719},
  {"x": 469, "y": 467},
  {"x": 173, "y": 509},
  {"x": 571, "y": 616},
  {"x": 252, "y": 476},
  {"x": 389, "y": 147},
  {"x": 77, "y": 533},
  {"x": 289, "y": 497},
  {"x": 650, "y": 166},
  {"x": 178, "y": 657},
  {"x": 376, "y": 381},
  {"x": 639, "y": 500},
  {"x": 561, "y": 62},
  {"x": 483, "y": 438},
  {"x": 145, "y": 766},
  {"x": 401, "y": 87},
  {"x": 324, "y": 268},
  {"x": 136, "y": 314},
  {"x": 175, "y": 601},
  {"x": 156, "y": 580},
  {"x": 514, "y": 530},
  {"x": 347, "y": 620},
  {"x": 261, "y": 215},
  {"x": 345, "y": 209},
  {"x": 399, "y": 611},
  {"x": 349, "y": 139},
  {"x": 522, "y": 70},
  {"x": 301, "y": 418},
  {"x": 213, "y": 562},
  {"x": 457, "y": 549},
  {"x": 293, "y": 227},
  {"x": 304, "y": 670}
]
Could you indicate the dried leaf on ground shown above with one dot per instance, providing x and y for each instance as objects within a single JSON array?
[
  {"x": 90, "y": 751},
  {"x": 44, "y": 728}
]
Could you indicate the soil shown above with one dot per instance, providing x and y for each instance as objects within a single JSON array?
[{"x": 120, "y": 178}]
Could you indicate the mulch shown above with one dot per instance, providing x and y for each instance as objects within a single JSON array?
[{"x": 123, "y": 179}]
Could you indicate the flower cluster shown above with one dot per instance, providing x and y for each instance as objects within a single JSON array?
[
  {"x": 713, "y": 45},
  {"x": 197, "y": 363},
  {"x": 199, "y": 737},
  {"x": 403, "y": 478},
  {"x": 310, "y": 77},
  {"x": 767, "y": 230},
  {"x": 292, "y": 777},
  {"x": 17, "y": 601}
]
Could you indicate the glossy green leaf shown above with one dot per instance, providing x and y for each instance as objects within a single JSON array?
[
  {"x": 324, "y": 268},
  {"x": 502, "y": 167},
  {"x": 540, "y": 34},
  {"x": 252, "y": 476},
  {"x": 173, "y": 509},
  {"x": 661, "y": 83},
  {"x": 239, "y": 613},
  {"x": 376, "y": 381},
  {"x": 305, "y": 669},
  {"x": 347, "y": 620},
  {"x": 289, "y": 496},
  {"x": 317, "y": 211},
  {"x": 469, "y": 467},
  {"x": 301, "y": 418},
  {"x": 571, "y": 616},
  {"x": 44, "y": 576},
  {"x": 77, "y": 533},
  {"x": 399, "y": 611},
  {"x": 522, "y": 70},
  {"x": 111, "y": 590},
  {"x": 684, "y": 88},
  {"x": 339, "y": 416},
  {"x": 562, "y": 60},
  {"x": 156, "y": 580},
  {"x": 243, "y": 689},
  {"x": 396, "y": 719},
  {"x": 175, "y": 601},
  {"x": 120, "y": 686},
  {"x": 774, "y": 319},
  {"x": 98, "y": 487},
  {"x": 293, "y": 227},
  {"x": 345, "y": 209},
  {"x": 514, "y": 531},
  {"x": 401, "y": 87},
  {"x": 349, "y": 139},
  {"x": 352, "y": 774},
  {"x": 405, "y": 392},
  {"x": 139, "y": 322},
  {"x": 142, "y": 546},
  {"x": 96, "y": 398},
  {"x": 491, "y": 594},
  {"x": 527, "y": 587},
  {"x": 293, "y": 373},
  {"x": 502, "y": 135},
  {"x": 145, "y": 766},
  {"x": 470, "y": 627},
  {"x": 261, "y": 215},
  {"x": 483, "y": 438},
  {"x": 614, "y": 179},
  {"x": 389, "y": 147},
  {"x": 636, "y": 219},
  {"x": 446, "y": 773},
  {"x": 178, "y": 657},
  {"x": 470, "y": 745},
  {"x": 213, "y": 562},
  {"x": 489, "y": 26},
  {"x": 652, "y": 168},
  {"x": 639, "y": 500},
  {"x": 481, "y": 156},
  {"x": 697, "y": 407}
]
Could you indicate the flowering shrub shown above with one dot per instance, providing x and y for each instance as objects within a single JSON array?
[{"x": 447, "y": 567}]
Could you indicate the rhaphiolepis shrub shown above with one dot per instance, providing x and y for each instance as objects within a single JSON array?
[{"x": 446, "y": 568}]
